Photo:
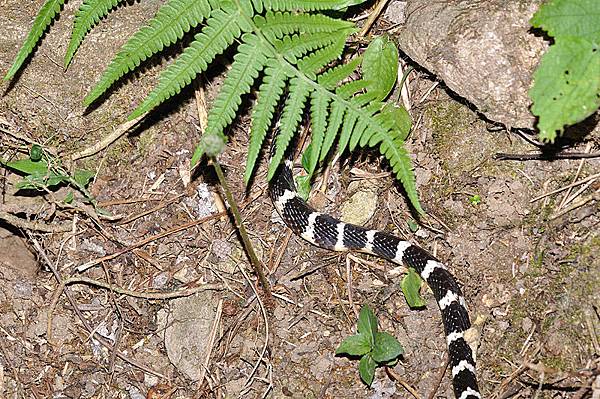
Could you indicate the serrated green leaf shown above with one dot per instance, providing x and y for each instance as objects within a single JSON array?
[
  {"x": 579, "y": 18},
  {"x": 309, "y": 5},
  {"x": 221, "y": 29},
  {"x": 366, "y": 369},
  {"x": 336, "y": 115},
  {"x": 367, "y": 324},
  {"x": 566, "y": 86},
  {"x": 248, "y": 62},
  {"x": 380, "y": 66},
  {"x": 333, "y": 76},
  {"x": 173, "y": 19},
  {"x": 89, "y": 14},
  {"x": 411, "y": 285},
  {"x": 292, "y": 113},
  {"x": 42, "y": 20},
  {"x": 354, "y": 345},
  {"x": 269, "y": 94},
  {"x": 386, "y": 348}
]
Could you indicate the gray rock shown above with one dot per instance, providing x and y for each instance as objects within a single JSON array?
[
  {"x": 484, "y": 51},
  {"x": 187, "y": 331}
]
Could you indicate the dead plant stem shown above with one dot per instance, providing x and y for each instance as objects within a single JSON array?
[{"x": 256, "y": 264}]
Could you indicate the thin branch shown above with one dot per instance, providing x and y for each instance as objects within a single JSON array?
[
  {"x": 16, "y": 221},
  {"x": 108, "y": 140},
  {"x": 501, "y": 156}
]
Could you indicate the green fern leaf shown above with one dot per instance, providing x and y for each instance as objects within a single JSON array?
[
  {"x": 248, "y": 62},
  {"x": 292, "y": 47},
  {"x": 172, "y": 20},
  {"x": 318, "y": 59},
  {"x": 347, "y": 128},
  {"x": 220, "y": 31},
  {"x": 42, "y": 20},
  {"x": 357, "y": 132},
  {"x": 268, "y": 96},
  {"x": 364, "y": 99},
  {"x": 336, "y": 116},
  {"x": 333, "y": 76},
  {"x": 319, "y": 103},
  {"x": 292, "y": 113},
  {"x": 347, "y": 90},
  {"x": 394, "y": 151},
  {"x": 89, "y": 14},
  {"x": 276, "y": 25},
  {"x": 309, "y": 5}
]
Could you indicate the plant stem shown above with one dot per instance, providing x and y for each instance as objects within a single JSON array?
[{"x": 256, "y": 264}]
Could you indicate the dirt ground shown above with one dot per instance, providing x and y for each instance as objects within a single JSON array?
[{"x": 529, "y": 265}]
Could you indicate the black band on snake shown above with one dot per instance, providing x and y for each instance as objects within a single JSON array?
[{"x": 327, "y": 232}]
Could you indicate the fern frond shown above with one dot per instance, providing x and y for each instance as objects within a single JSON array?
[
  {"x": 292, "y": 113},
  {"x": 89, "y": 14},
  {"x": 333, "y": 76},
  {"x": 268, "y": 96},
  {"x": 336, "y": 116},
  {"x": 275, "y": 25},
  {"x": 42, "y": 20},
  {"x": 172, "y": 20},
  {"x": 308, "y": 5},
  {"x": 220, "y": 31},
  {"x": 247, "y": 63}
]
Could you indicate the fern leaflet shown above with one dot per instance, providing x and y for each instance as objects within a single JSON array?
[
  {"x": 172, "y": 20},
  {"x": 336, "y": 116},
  {"x": 319, "y": 108},
  {"x": 89, "y": 14},
  {"x": 275, "y": 25},
  {"x": 43, "y": 19},
  {"x": 347, "y": 90},
  {"x": 220, "y": 31},
  {"x": 347, "y": 128},
  {"x": 292, "y": 113},
  {"x": 269, "y": 93},
  {"x": 333, "y": 76},
  {"x": 318, "y": 59},
  {"x": 308, "y": 5},
  {"x": 394, "y": 151},
  {"x": 296, "y": 46},
  {"x": 248, "y": 62}
]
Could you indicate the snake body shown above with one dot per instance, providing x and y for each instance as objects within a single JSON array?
[{"x": 327, "y": 232}]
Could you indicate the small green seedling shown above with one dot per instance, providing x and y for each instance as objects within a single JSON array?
[
  {"x": 374, "y": 348},
  {"x": 42, "y": 172},
  {"x": 475, "y": 199}
]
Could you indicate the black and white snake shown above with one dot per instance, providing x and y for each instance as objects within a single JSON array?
[{"x": 327, "y": 232}]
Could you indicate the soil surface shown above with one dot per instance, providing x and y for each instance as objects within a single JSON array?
[{"x": 166, "y": 307}]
